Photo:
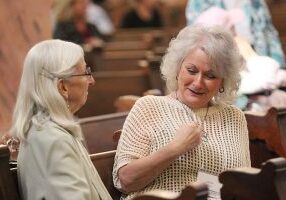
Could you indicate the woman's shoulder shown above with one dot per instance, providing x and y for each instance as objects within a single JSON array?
[
  {"x": 151, "y": 100},
  {"x": 151, "y": 104},
  {"x": 49, "y": 133},
  {"x": 230, "y": 109}
]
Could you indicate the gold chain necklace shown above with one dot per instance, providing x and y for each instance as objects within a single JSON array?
[{"x": 205, "y": 134}]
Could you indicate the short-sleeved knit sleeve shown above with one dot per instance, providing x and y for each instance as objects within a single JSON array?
[
  {"x": 135, "y": 139},
  {"x": 245, "y": 141},
  {"x": 237, "y": 120}
]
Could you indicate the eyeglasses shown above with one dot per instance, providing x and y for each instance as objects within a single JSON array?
[{"x": 86, "y": 73}]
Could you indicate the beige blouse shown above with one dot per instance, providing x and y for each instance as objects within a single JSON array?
[{"x": 152, "y": 123}]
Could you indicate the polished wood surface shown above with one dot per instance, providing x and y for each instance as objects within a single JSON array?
[
  {"x": 103, "y": 162},
  {"x": 109, "y": 85},
  {"x": 194, "y": 191},
  {"x": 99, "y": 130},
  {"x": 267, "y": 135},
  {"x": 266, "y": 183},
  {"x": 8, "y": 179}
]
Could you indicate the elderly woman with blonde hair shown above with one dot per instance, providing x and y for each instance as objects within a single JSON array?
[{"x": 194, "y": 132}]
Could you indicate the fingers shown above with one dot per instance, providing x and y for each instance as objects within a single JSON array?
[
  {"x": 188, "y": 136},
  {"x": 197, "y": 128}
]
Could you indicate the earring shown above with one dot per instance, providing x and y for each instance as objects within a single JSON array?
[
  {"x": 67, "y": 101},
  {"x": 221, "y": 90}
]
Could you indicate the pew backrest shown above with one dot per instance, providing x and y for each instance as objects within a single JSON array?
[
  {"x": 267, "y": 135},
  {"x": 8, "y": 179},
  {"x": 193, "y": 191},
  {"x": 109, "y": 86},
  {"x": 99, "y": 130},
  {"x": 266, "y": 183},
  {"x": 103, "y": 163}
]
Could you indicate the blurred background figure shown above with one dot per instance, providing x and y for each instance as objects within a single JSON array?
[
  {"x": 145, "y": 13},
  {"x": 256, "y": 27},
  {"x": 262, "y": 74},
  {"x": 71, "y": 24},
  {"x": 98, "y": 16}
]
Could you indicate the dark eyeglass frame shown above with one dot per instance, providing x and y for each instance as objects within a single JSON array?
[{"x": 88, "y": 72}]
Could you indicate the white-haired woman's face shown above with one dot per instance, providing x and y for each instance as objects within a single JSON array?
[
  {"x": 77, "y": 86},
  {"x": 197, "y": 82}
]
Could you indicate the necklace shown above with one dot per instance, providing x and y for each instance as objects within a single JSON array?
[{"x": 205, "y": 134}]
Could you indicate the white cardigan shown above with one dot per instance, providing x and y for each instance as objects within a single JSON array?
[{"x": 52, "y": 164}]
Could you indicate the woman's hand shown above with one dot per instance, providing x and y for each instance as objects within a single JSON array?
[{"x": 187, "y": 137}]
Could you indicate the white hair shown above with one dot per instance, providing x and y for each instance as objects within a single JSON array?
[
  {"x": 219, "y": 46},
  {"x": 38, "y": 97}
]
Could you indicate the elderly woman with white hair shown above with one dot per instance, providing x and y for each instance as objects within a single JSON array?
[
  {"x": 52, "y": 161},
  {"x": 194, "y": 133}
]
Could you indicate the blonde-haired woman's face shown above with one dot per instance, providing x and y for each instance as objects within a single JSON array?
[{"x": 197, "y": 82}]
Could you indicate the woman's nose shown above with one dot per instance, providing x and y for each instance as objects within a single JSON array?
[
  {"x": 91, "y": 80},
  {"x": 198, "y": 80}
]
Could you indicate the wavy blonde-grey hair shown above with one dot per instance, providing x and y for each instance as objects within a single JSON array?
[{"x": 221, "y": 49}]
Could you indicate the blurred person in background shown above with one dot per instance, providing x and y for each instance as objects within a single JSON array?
[
  {"x": 98, "y": 16},
  {"x": 144, "y": 14},
  {"x": 71, "y": 24},
  {"x": 256, "y": 27}
]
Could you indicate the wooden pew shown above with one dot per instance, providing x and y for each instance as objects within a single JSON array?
[
  {"x": 99, "y": 130},
  {"x": 252, "y": 183},
  {"x": 8, "y": 179},
  {"x": 102, "y": 60},
  {"x": 103, "y": 162},
  {"x": 267, "y": 134},
  {"x": 109, "y": 85},
  {"x": 151, "y": 35},
  {"x": 128, "y": 45},
  {"x": 122, "y": 60},
  {"x": 194, "y": 191}
]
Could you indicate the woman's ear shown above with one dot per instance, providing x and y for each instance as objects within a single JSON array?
[{"x": 63, "y": 89}]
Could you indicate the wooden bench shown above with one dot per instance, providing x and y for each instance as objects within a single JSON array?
[
  {"x": 266, "y": 183},
  {"x": 103, "y": 162},
  {"x": 8, "y": 178},
  {"x": 123, "y": 60},
  {"x": 102, "y": 60},
  {"x": 194, "y": 191},
  {"x": 267, "y": 135},
  {"x": 128, "y": 45},
  {"x": 98, "y": 131},
  {"x": 155, "y": 36},
  {"x": 109, "y": 85}
]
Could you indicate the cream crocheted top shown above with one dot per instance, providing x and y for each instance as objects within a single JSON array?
[{"x": 152, "y": 123}]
